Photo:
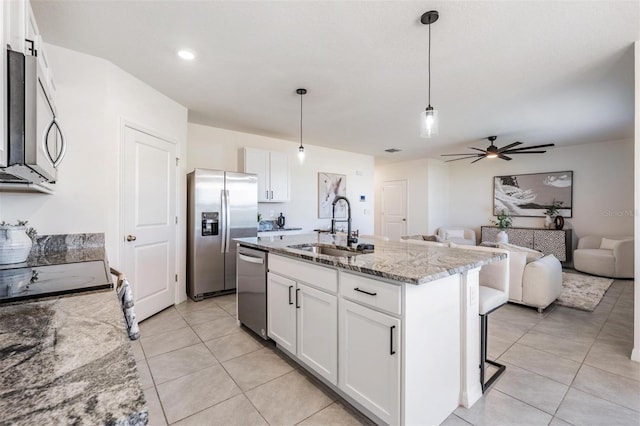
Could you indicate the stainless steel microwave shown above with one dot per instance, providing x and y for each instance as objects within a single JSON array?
[{"x": 35, "y": 142}]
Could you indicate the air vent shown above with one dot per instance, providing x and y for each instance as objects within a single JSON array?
[{"x": 392, "y": 150}]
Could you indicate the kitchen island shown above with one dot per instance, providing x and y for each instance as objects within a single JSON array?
[
  {"x": 67, "y": 360},
  {"x": 394, "y": 331}
]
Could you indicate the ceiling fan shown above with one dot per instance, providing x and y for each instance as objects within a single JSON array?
[{"x": 493, "y": 151}]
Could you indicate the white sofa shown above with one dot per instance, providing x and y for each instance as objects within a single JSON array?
[
  {"x": 604, "y": 256},
  {"x": 456, "y": 235},
  {"x": 534, "y": 280}
]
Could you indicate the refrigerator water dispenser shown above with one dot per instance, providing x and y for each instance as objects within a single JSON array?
[{"x": 209, "y": 223}]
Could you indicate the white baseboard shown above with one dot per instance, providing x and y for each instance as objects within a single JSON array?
[{"x": 635, "y": 355}]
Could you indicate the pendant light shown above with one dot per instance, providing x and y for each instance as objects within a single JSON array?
[
  {"x": 301, "y": 92},
  {"x": 429, "y": 118}
]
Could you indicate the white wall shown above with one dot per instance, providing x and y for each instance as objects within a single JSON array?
[
  {"x": 93, "y": 99},
  {"x": 602, "y": 187},
  {"x": 635, "y": 355},
  {"x": 214, "y": 148},
  {"x": 427, "y": 193}
]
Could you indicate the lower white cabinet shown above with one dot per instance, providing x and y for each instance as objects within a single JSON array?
[
  {"x": 303, "y": 321},
  {"x": 369, "y": 359}
]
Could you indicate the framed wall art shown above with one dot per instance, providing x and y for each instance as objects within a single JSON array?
[
  {"x": 531, "y": 194},
  {"x": 330, "y": 185}
]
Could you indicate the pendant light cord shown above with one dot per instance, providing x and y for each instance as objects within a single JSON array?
[
  {"x": 429, "y": 65},
  {"x": 301, "y": 119}
]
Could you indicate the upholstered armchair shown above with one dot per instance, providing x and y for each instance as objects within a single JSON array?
[
  {"x": 605, "y": 256},
  {"x": 456, "y": 235}
]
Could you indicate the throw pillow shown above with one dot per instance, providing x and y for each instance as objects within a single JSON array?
[
  {"x": 454, "y": 233},
  {"x": 531, "y": 254},
  {"x": 608, "y": 244}
]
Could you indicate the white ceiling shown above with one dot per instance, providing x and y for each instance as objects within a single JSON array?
[{"x": 536, "y": 71}]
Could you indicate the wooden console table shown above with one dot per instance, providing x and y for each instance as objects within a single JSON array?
[{"x": 549, "y": 241}]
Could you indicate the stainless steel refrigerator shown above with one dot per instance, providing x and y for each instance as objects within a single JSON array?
[{"x": 220, "y": 206}]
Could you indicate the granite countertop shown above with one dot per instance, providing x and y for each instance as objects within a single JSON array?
[
  {"x": 67, "y": 360},
  {"x": 398, "y": 261}
]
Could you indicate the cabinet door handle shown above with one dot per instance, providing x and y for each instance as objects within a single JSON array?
[
  {"x": 266, "y": 195},
  {"x": 392, "y": 350},
  {"x": 290, "y": 301},
  {"x": 297, "y": 301},
  {"x": 365, "y": 292},
  {"x": 272, "y": 195}
]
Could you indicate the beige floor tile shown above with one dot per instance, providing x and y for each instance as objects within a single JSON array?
[
  {"x": 200, "y": 316},
  {"x": 613, "y": 355},
  {"x": 191, "y": 306},
  {"x": 193, "y": 393},
  {"x": 552, "y": 366},
  {"x": 615, "y": 329},
  {"x": 454, "y": 420},
  {"x": 181, "y": 362},
  {"x": 533, "y": 389},
  {"x": 567, "y": 328},
  {"x": 573, "y": 349},
  {"x": 611, "y": 387},
  {"x": 256, "y": 368},
  {"x": 335, "y": 414},
  {"x": 162, "y": 322},
  {"x": 498, "y": 345},
  {"x": 517, "y": 316},
  {"x": 580, "y": 408},
  {"x": 231, "y": 346},
  {"x": 496, "y": 408},
  {"x": 228, "y": 303},
  {"x": 559, "y": 422},
  {"x": 170, "y": 341},
  {"x": 136, "y": 348},
  {"x": 288, "y": 399},
  {"x": 217, "y": 328},
  {"x": 236, "y": 411},
  {"x": 156, "y": 415},
  {"x": 145, "y": 375}
]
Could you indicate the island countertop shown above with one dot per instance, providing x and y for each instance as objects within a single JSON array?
[
  {"x": 67, "y": 360},
  {"x": 398, "y": 261}
]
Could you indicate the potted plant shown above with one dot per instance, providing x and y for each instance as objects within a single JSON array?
[
  {"x": 552, "y": 211},
  {"x": 503, "y": 222},
  {"x": 15, "y": 242}
]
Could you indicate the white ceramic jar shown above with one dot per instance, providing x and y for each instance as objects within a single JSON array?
[{"x": 15, "y": 244}]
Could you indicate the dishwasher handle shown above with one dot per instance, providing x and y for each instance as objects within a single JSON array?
[{"x": 251, "y": 259}]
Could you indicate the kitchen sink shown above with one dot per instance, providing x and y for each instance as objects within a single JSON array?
[{"x": 327, "y": 249}]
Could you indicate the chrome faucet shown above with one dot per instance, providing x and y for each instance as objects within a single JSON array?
[{"x": 350, "y": 238}]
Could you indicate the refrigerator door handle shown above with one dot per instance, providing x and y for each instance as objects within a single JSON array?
[
  {"x": 228, "y": 220},
  {"x": 223, "y": 219}
]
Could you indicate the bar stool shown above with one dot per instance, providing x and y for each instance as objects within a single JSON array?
[{"x": 493, "y": 293}]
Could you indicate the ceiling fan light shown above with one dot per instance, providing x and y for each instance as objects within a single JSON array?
[
  {"x": 492, "y": 155},
  {"x": 429, "y": 122}
]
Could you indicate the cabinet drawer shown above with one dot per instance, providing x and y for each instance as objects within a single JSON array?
[
  {"x": 378, "y": 294},
  {"x": 318, "y": 276}
]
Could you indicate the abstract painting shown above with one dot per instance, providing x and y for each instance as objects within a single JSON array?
[
  {"x": 330, "y": 185},
  {"x": 531, "y": 194}
]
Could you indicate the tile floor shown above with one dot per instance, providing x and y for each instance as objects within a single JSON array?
[{"x": 564, "y": 367}]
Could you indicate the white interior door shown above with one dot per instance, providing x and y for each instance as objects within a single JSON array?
[
  {"x": 394, "y": 209},
  {"x": 149, "y": 212}
]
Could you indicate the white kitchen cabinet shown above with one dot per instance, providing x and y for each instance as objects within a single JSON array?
[
  {"x": 4, "y": 18},
  {"x": 302, "y": 319},
  {"x": 281, "y": 311},
  {"x": 369, "y": 359},
  {"x": 272, "y": 169}
]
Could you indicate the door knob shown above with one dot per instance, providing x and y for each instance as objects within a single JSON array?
[{"x": 131, "y": 237}]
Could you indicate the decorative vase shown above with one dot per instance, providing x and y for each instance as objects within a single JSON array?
[
  {"x": 548, "y": 223},
  {"x": 559, "y": 222},
  {"x": 15, "y": 244},
  {"x": 502, "y": 237}
]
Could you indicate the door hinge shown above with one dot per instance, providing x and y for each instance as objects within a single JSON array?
[
  {"x": 176, "y": 277},
  {"x": 176, "y": 220},
  {"x": 177, "y": 161}
]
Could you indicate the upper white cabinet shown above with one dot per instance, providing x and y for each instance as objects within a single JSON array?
[{"x": 272, "y": 169}]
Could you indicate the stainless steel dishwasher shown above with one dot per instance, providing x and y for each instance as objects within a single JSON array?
[{"x": 251, "y": 286}]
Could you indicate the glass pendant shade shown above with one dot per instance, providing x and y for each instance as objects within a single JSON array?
[
  {"x": 301, "y": 153},
  {"x": 429, "y": 122}
]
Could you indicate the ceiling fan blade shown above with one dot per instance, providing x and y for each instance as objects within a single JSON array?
[
  {"x": 478, "y": 159},
  {"x": 466, "y": 153},
  {"x": 504, "y": 148},
  {"x": 464, "y": 158},
  {"x": 524, "y": 152},
  {"x": 478, "y": 149},
  {"x": 536, "y": 146},
  {"x": 504, "y": 157}
]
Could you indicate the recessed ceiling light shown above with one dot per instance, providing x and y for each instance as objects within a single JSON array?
[
  {"x": 187, "y": 55},
  {"x": 392, "y": 150}
]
